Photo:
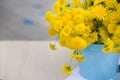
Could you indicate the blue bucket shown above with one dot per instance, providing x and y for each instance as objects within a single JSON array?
[{"x": 98, "y": 65}]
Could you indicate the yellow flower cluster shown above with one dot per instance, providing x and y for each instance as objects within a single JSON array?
[{"x": 84, "y": 22}]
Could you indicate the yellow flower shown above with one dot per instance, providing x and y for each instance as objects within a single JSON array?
[
  {"x": 98, "y": 1},
  {"x": 87, "y": 14},
  {"x": 51, "y": 31},
  {"x": 116, "y": 50},
  {"x": 114, "y": 17},
  {"x": 117, "y": 32},
  {"x": 78, "y": 19},
  {"x": 67, "y": 16},
  {"x": 67, "y": 40},
  {"x": 99, "y": 11},
  {"x": 116, "y": 39},
  {"x": 82, "y": 4},
  {"x": 62, "y": 42},
  {"x": 118, "y": 9},
  {"x": 90, "y": 24},
  {"x": 63, "y": 2},
  {"x": 66, "y": 19},
  {"x": 110, "y": 3},
  {"x": 80, "y": 28},
  {"x": 58, "y": 25},
  {"x": 107, "y": 49},
  {"x": 67, "y": 69},
  {"x": 49, "y": 17},
  {"x": 78, "y": 57},
  {"x": 70, "y": 23},
  {"x": 78, "y": 43},
  {"x": 72, "y": 55},
  {"x": 52, "y": 46},
  {"x": 77, "y": 15},
  {"x": 75, "y": 3},
  {"x": 108, "y": 45},
  {"x": 77, "y": 11},
  {"x": 66, "y": 30},
  {"x": 103, "y": 33},
  {"x": 106, "y": 21},
  {"x": 93, "y": 37},
  {"x": 112, "y": 28},
  {"x": 109, "y": 42},
  {"x": 57, "y": 7}
]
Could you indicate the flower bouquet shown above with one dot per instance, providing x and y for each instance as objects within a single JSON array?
[{"x": 82, "y": 23}]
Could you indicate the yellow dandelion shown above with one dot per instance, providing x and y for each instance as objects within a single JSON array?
[
  {"x": 77, "y": 15},
  {"x": 77, "y": 11},
  {"x": 109, "y": 42},
  {"x": 61, "y": 35},
  {"x": 80, "y": 57},
  {"x": 107, "y": 49},
  {"x": 78, "y": 43},
  {"x": 116, "y": 39},
  {"x": 116, "y": 50},
  {"x": 82, "y": 4},
  {"x": 118, "y": 9},
  {"x": 106, "y": 21},
  {"x": 70, "y": 23},
  {"x": 62, "y": 42},
  {"x": 72, "y": 55},
  {"x": 97, "y": 1},
  {"x": 57, "y": 7},
  {"x": 75, "y": 3},
  {"x": 66, "y": 30},
  {"x": 87, "y": 14},
  {"x": 112, "y": 28},
  {"x": 110, "y": 3},
  {"x": 80, "y": 28},
  {"x": 67, "y": 40},
  {"x": 78, "y": 19},
  {"x": 93, "y": 37},
  {"x": 103, "y": 33},
  {"x": 49, "y": 17},
  {"x": 63, "y": 2},
  {"x": 108, "y": 45},
  {"x": 58, "y": 25},
  {"x": 99, "y": 11},
  {"x": 52, "y": 32},
  {"x": 114, "y": 17},
  {"x": 52, "y": 46},
  {"x": 117, "y": 31},
  {"x": 67, "y": 69},
  {"x": 86, "y": 38},
  {"x": 67, "y": 16},
  {"x": 90, "y": 24}
]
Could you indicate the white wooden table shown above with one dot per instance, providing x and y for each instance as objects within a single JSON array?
[{"x": 32, "y": 60}]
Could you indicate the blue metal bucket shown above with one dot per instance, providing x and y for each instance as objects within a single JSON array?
[{"x": 98, "y": 65}]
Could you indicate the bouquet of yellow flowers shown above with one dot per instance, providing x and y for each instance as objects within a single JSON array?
[{"x": 82, "y": 23}]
